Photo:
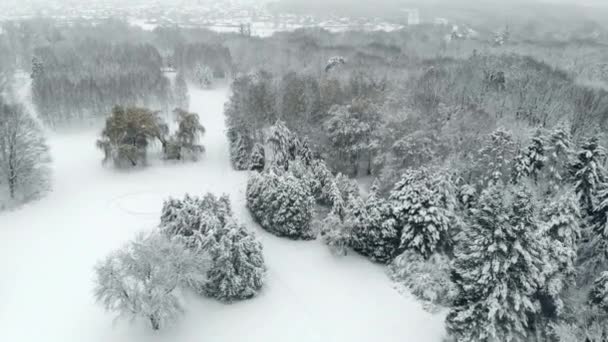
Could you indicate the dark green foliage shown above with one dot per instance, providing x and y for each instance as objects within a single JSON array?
[
  {"x": 588, "y": 173},
  {"x": 281, "y": 204},
  {"x": 374, "y": 233},
  {"x": 497, "y": 269},
  {"x": 422, "y": 212},
  {"x": 238, "y": 269},
  {"x": 257, "y": 161}
]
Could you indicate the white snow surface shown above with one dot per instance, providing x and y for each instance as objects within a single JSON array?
[{"x": 48, "y": 249}]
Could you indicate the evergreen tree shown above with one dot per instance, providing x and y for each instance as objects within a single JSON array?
[
  {"x": 237, "y": 263},
  {"x": 257, "y": 161},
  {"x": 594, "y": 250},
  {"x": 598, "y": 295},
  {"x": 561, "y": 234},
  {"x": 281, "y": 204},
  {"x": 559, "y": 153},
  {"x": 531, "y": 161},
  {"x": 375, "y": 235},
  {"x": 180, "y": 90},
  {"x": 420, "y": 213},
  {"x": 588, "y": 173},
  {"x": 497, "y": 269}
]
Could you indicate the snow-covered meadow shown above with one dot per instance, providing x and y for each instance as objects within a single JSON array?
[{"x": 48, "y": 249}]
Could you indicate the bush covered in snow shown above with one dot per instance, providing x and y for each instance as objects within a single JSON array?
[
  {"x": 427, "y": 279},
  {"x": 237, "y": 264},
  {"x": 281, "y": 204},
  {"x": 193, "y": 214},
  {"x": 374, "y": 229},
  {"x": 336, "y": 234},
  {"x": 142, "y": 279}
]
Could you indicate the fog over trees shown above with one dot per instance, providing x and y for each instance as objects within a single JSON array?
[{"x": 407, "y": 170}]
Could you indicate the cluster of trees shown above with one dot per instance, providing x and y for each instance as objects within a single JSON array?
[
  {"x": 24, "y": 156},
  {"x": 129, "y": 131},
  {"x": 198, "y": 246},
  {"x": 512, "y": 241},
  {"x": 80, "y": 80}
]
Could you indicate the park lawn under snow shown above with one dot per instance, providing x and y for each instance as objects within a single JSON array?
[{"x": 48, "y": 249}]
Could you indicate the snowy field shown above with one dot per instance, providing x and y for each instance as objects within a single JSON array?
[{"x": 48, "y": 249}]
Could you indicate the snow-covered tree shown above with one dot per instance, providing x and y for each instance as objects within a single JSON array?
[
  {"x": 598, "y": 295},
  {"x": 180, "y": 92},
  {"x": 561, "y": 233},
  {"x": 375, "y": 234},
  {"x": 497, "y": 269},
  {"x": 427, "y": 279},
  {"x": 588, "y": 173},
  {"x": 142, "y": 279},
  {"x": 184, "y": 144},
  {"x": 257, "y": 161},
  {"x": 24, "y": 155},
  {"x": 240, "y": 149},
  {"x": 127, "y": 134},
  {"x": 559, "y": 153},
  {"x": 420, "y": 212},
  {"x": 283, "y": 144},
  {"x": 493, "y": 161},
  {"x": 531, "y": 161},
  {"x": 237, "y": 264},
  {"x": 594, "y": 250},
  {"x": 203, "y": 75},
  {"x": 190, "y": 215},
  {"x": 281, "y": 204},
  {"x": 335, "y": 233}
]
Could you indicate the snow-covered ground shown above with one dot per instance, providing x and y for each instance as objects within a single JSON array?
[{"x": 48, "y": 249}]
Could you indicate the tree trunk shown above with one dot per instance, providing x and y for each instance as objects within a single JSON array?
[{"x": 155, "y": 323}]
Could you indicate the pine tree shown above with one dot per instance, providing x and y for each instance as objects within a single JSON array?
[
  {"x": 594, "y": 250},
  {"x": 497, "y": 269},
  {"x": 237, "y": 263},
  {"x": 531, "y": 161},
  {"x": 561, "y": 233},
  {"x": 420, "y": 213},
  {"x": 375, "y": 235},
  {"x": 283, "y": 144},
  {"x": 180, "y": 90},
  {"x": 281, "y": 204},
  {"x": 598, "y": 295},
  {"x": 559, "y": 153},
  {"x": 257, "y": 161},
  {"x": 588, "y": 173},
  {"x": 493, "y": 161}
]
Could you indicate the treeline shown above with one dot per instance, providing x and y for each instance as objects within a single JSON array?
[{"x": 80, "y": 80}]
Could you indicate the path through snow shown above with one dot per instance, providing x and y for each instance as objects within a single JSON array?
[{"x": 48, "y": 249}]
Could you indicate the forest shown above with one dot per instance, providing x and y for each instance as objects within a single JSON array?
[{"x": 471, "y": 170}]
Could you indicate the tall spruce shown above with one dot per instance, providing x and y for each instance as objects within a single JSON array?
[{"x": 497, "y": 269}]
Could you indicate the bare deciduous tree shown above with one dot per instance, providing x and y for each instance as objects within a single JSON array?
[{"x": 24, "y": 154}]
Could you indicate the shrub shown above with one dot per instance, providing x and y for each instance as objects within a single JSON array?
[
  {"x": 237, "y": 263},
  {"x": 427, "y": 279},
  {"x": 281, "y": 204}
]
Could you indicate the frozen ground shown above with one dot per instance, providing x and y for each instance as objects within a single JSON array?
[{"x": 48, "y": 250}]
